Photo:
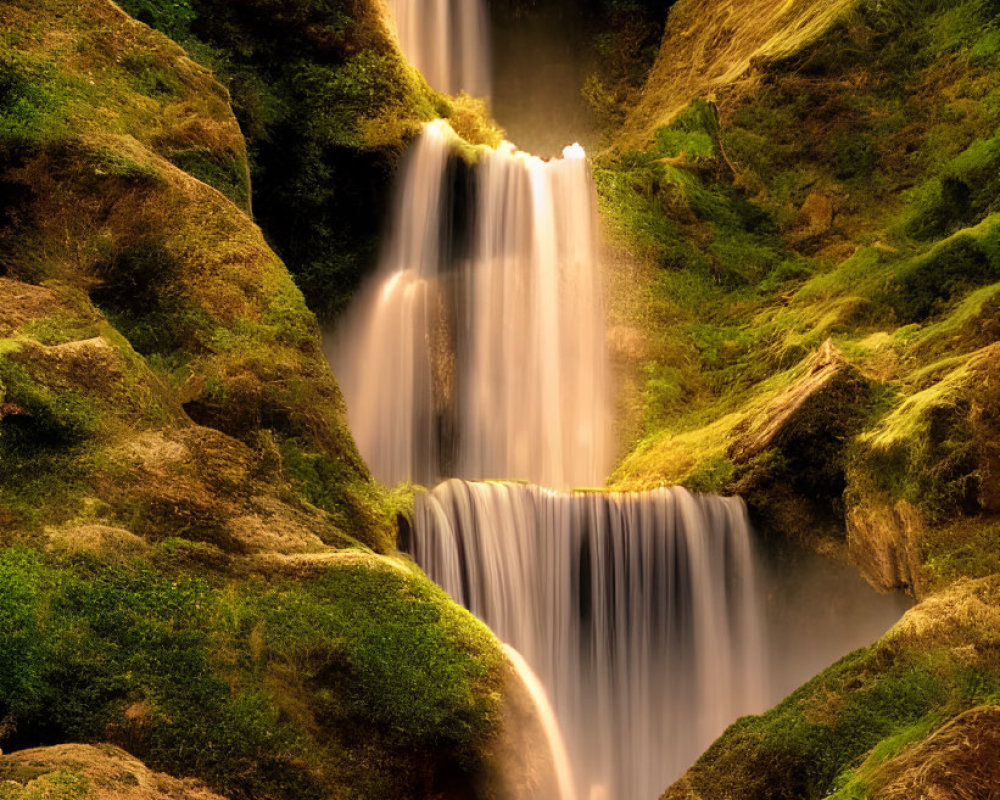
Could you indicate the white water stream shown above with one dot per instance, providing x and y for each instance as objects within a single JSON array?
[
  {"x": 478, "y": 351},
  {"x": 479, "y": 348},
  {"x": 639, "y": 613},
  {"x": 447, "y": 40}
]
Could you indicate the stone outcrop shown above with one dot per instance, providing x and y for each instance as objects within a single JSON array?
[{"x": 94, "y": 772}]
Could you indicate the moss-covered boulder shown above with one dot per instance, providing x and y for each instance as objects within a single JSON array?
[
  {"x": 346, "y": 675},
  {"x": 160, "y": 369},
  {"x": 88, "y": 772},
  {"x": 885, "y": 719}
]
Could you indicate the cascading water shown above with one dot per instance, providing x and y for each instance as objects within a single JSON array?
[
  {"x": 479, "y": 349},
  {"x": 447, "y": 40},
  {"x": 639, "y": 613}
]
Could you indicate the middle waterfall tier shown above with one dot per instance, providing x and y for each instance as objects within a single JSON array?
[
  {"x": 479, "y": 349},
  {"x": 639, "y": 613}
]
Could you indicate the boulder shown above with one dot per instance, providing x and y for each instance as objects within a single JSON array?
[{"x": 101, "y": 772}]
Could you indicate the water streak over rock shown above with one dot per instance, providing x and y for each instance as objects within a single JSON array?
[{"x": 448, "y": 41}]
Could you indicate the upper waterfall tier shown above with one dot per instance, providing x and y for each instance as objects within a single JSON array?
[
  {"x": 478, "y": 351},
  {"x": 448, "y": 41}
]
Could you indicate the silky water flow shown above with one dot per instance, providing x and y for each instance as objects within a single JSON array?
[
  {"x": 477, "y": 353},
  {"x": 639, "y": 613},
  {"x": 479, "y": 349}
]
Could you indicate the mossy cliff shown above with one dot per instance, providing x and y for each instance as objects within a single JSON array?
[
  {"x": 188, "y": 566},
  {"x": 819, "y": 186},
  {"x": 328, "y": 105},
  {"x": 807, "y": 196}
]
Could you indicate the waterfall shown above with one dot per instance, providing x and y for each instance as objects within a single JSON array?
[
  {"x": 479, "y": 348},
  {"x": 447, "y": 40},
  {"x": 638, "y": 612}
]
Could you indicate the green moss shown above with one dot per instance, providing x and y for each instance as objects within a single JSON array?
[
  {"x": 141, "y": 294},
  {"x": 854, "y": 784},
  {"x": 149, "y": 76},
  {"x": 967, "y": 549},
  {"x": 45, "y": 420},
  {"x": 224, "y": 172},
  {"x": 62, "y": 784},
  {"x": 712, "y": 476},
  {"x": 278, "y": 689},
  {"x": 855, "y": 157},
  {"x": 960, "y": 194},
  {"x": 822, "y": 740},
  {"x": 327, "y": 483},
  {"x": 927, "y": 285},
  {"x": 924, "y": 450}
]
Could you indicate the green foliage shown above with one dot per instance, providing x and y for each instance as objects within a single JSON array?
[
  {"x": 211, "y": 680},
  {"x": 24, "y": 104},
  {"x": 173, "y": 17},
  {"x": 142, "y": 295},
  {"x": 625, "y": 37},
  {"x": 46, "y": 420}
]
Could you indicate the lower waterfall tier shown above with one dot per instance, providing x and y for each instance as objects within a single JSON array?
[{"x": 639, "y": 613}]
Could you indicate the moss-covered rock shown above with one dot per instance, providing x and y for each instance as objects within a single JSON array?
[
  {"x": 858, "y": 727},
  {"x": 355, "y": 678},
  {"x": 139, "y": 298},
  {"x": 88, "y": 772}
]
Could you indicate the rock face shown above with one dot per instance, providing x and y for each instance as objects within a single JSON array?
[
  {"x": 177, "y": 481},
  {"x": 884, "y": 543},
  {"x": 102, "y": 772},
  {"x": 706, "y": 50},
  {"x": 147, "y": 300},
  {"x": 818, "y": 742}
]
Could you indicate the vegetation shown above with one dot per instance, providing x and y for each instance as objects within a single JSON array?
[
  {"x": 811, "y": 203},
  {"x": 833, "y": 737},
  {"x": 363, "y": 678},
  {"x": 187, "y": 565},
  {"x": 325, "y": 126}
]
